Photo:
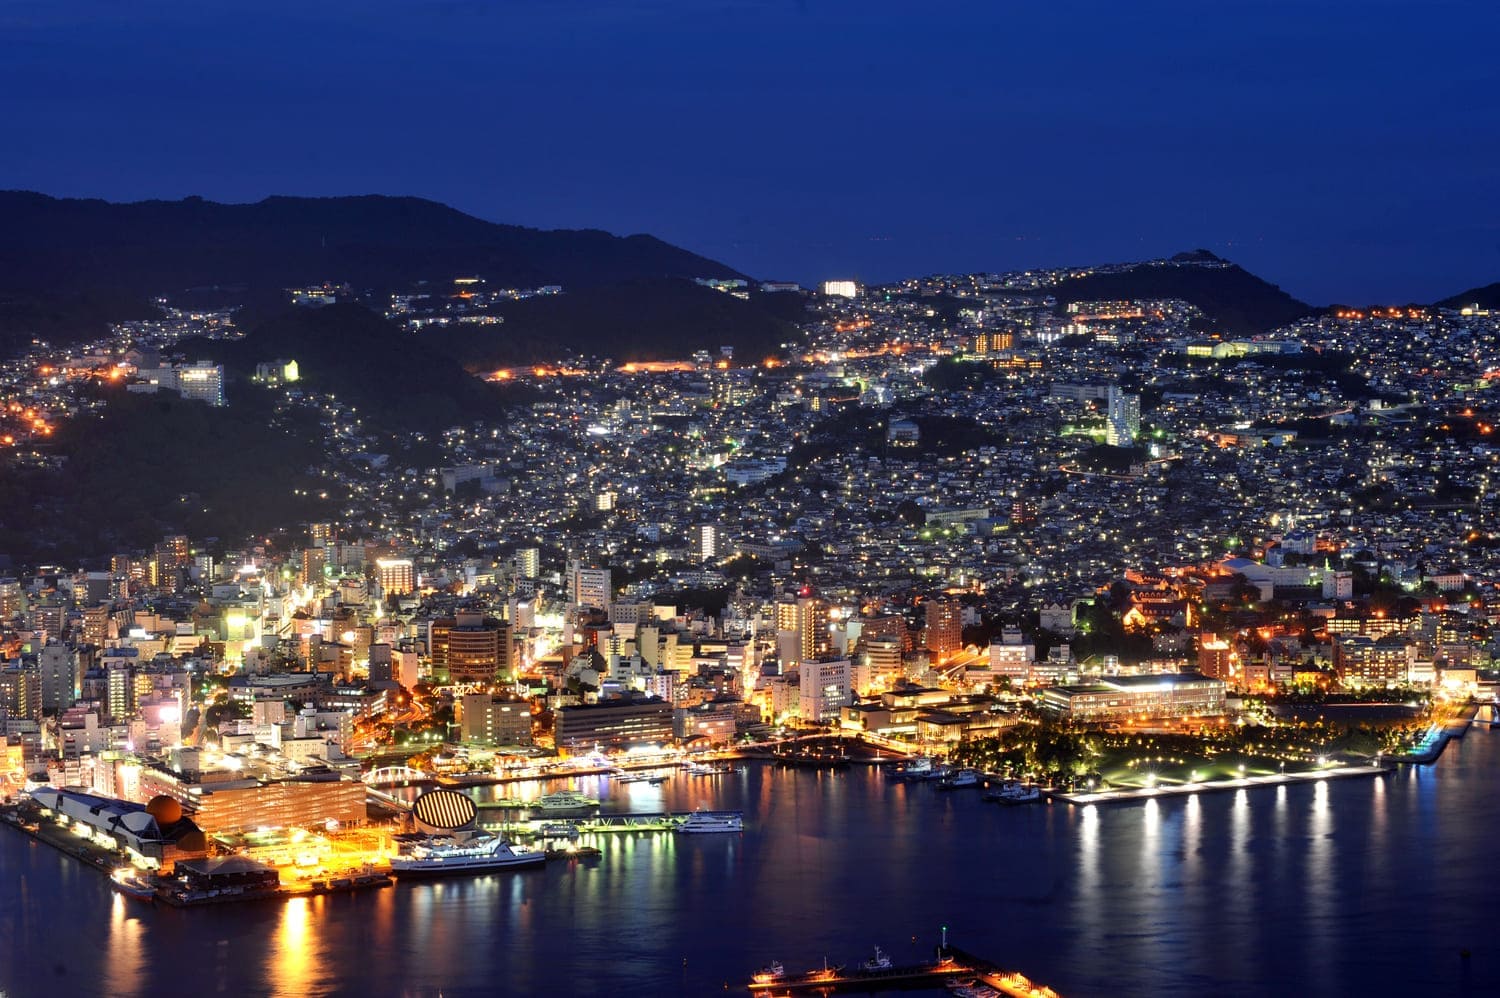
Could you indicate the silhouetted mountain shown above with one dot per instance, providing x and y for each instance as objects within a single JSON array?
[
  {"x": 639, "y": 320},
  {"x": 395, "y": 377},
  {"x": 145, "y": 465},
  {"x": 1485, "y": 297},
  {"x": 62, "y": 248},
  {"x": 1235, "y": 300}
]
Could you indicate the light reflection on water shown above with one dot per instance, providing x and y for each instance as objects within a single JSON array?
[{"x": 1237, "y": 893}]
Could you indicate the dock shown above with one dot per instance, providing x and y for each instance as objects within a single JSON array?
[
  {"x": 1211, "y": 786},
  {"x": 948, "y": 964},
  {"x": 641, "y": 821}
]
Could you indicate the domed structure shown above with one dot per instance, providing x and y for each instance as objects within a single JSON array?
[
  {"x": 166, "y": 810},
  {"x": 444, "y": 811}
]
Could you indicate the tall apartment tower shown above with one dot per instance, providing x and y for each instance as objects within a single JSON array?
[
  {"x": 589, "y": 586},
  {"x": 944, "y": 628},
  {"x": 59, "y": 676},
  {"x": 1123, "y": 419},
  {"x": 528, "y": 563},
  {"x": 802, "y": 630},
  {"x": 397, "y": 576}
]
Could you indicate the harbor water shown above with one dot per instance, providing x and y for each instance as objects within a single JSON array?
[{"x": 1374, "y": 886}]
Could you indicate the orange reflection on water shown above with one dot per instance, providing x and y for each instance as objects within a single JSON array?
[
  {"x": 124, "y": 960},
  {"x": 290, "y": 956}
]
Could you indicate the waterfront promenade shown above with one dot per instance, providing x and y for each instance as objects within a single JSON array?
[{"x": 1211, "y": 786}]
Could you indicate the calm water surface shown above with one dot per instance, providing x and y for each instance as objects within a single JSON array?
[{"x": 1356, "y": 886}]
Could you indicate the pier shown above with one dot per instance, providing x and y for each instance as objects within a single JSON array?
[
  {"x": 1210, "y": 786},
  {"x": 644, "y": 821},
  {"x": 949, "y": 964}
]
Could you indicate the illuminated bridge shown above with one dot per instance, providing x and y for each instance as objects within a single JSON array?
[{"x": 394, "y": 776}]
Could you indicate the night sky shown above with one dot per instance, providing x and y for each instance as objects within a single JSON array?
[{"x": 1348, "y": 150}]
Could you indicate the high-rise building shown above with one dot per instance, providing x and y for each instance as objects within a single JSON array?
[
  {"x": 528, "y": 563},
  {"x": 201, "y": 381},
  {"x": 11, "y": 603},
  {"x": 120, "y": 693},
  {"x": 96, "y": 625},
  {"x": 60, "y": 677},
  {"x": 703, "y": 541},
  {"x": 49, "y": 616},
  {"x": 314, "y": 560},
  {"x": 802, "y": 630},
  {"x": 589, "y": 586},
  {"x": 841, "y": 289},
  {"x": 944, "y": 628},
  {"x": 824, "y": 689},
  {"x": 882, "y": 656},
  {"x": 1338, "y": 585},
  {"x": 20, "y": 692},
  {"x": 1215, "y": 657},
  {"x": 891, "y": 626},
  {"x": 490, "y": 720},
  {"x": 1123, "y": 423},
  {"x": 470, "y": 647},
  {"x": 397, "y": 576}
]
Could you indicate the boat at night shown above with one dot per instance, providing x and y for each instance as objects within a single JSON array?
[
  {"x": 132, "y": 885},
  {"x": 564, "y": 800},
  {"x": 701, "y": 822},
  {"x": 462, "y": 852}
]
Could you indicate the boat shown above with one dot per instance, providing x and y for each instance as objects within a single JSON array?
[
  {"x": 632, "y": 778},
  {"x": 767, "y": 975},
  {"x": 564, "y": 800},
  {"x": 959, "y": 780},
  {"x": 1014, "y": 793},
  {"x": 129, "y": 883},
  {"x": 916, "y": 769},
  {"x": 701, "y": 822},
  {"x": 1023, "y": 795},
  {"x": 461, "y": 852},
  {"x": 881, "y": 961},
  {"x": 966, "y": 988},
  {"x": 558, "y": 830},
  {"x": 657, "y": 781},
  {"x": 701, "y": 769},
  {"x": 1006, "y": 788}
]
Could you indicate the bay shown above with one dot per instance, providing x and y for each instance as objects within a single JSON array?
[{"x": 1379, "y": 886}]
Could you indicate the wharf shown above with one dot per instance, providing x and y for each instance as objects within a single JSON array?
[
  {"x": 1210, "y": 786},
  {"x": 646, "y": 821},
  {"x": 952, "y": 964}
]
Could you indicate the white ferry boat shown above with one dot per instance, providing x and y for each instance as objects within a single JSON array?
[
  {"x": 700, "y": 822},
  {"x": 881, "y": 961},
  {"x": 564, "y": 800},
  {"x": 461, "y": 852}
]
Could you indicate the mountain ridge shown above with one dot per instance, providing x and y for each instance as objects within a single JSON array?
[
  {"x": 54, "y": 251},
  {"x": 1231, "y": 297}
]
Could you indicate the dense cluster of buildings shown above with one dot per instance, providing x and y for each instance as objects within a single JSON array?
[{"x": 945, "y": 495}]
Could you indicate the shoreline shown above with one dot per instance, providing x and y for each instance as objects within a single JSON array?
[{"x": 1455, "y": 727}]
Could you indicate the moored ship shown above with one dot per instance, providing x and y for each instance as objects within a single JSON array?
[
  {"x": 701, "y": 822},
  {"x": 564, "y": 800},
  {"x": 461, "y": 852}
]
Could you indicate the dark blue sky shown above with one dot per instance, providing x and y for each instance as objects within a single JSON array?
[{"x": 1346, "y": 149}]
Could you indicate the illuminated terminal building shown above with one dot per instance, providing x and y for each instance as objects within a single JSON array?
[
  {"x": 153, "y": 834},
  {"x": 1185, "y": 694}
]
